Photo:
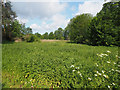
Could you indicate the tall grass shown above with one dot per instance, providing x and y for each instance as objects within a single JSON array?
[{"x": 59, "y": 64}]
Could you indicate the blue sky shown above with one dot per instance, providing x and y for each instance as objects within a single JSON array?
[{"x": 46, "y": 16}]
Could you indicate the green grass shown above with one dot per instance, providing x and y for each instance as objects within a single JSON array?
[{"x": 48, "y": 65}]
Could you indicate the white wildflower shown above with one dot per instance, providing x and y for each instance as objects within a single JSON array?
[
  {"x": 101, "y": 55},
  {"x": 78, "y": 72},
  {"x": 113, "y": 83},
  {"x": 95, "y": 74},
  {"x": 103, "y": 71},
  {"x": 108, "y": 62},
  {"x": 105, "y": 76},
  {"x": 108, "y": 51},
  {"x": 114, "y": 63},
  {"x": 73, "y": 70},
  {"x": 105, "y": 55},
  {"x": 108, "y": 86},
  {"x": 117, "y": 71},
  {"x": 99, "y": 73},
  {"x": 89, "y": 79},
  {"x": 118, "y": 65},
  {"x": 112, "y": 69},
  {"x": 77, "y": 67},
  {"x": 72, "y": 66},
  {"x": 96, "y": 64},
  {"x": 116, "y": 56}
]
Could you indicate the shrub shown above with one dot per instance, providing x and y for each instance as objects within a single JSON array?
[{"x": 31, "y": 38}]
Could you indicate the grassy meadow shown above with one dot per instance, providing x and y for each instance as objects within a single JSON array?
[{"x": 59, "y": 65}]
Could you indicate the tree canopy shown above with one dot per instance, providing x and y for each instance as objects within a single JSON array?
[
  {"x": 78, "y": 27},
  {"x": 11, "y": 27},
  {"x": 105, "y": 27}
]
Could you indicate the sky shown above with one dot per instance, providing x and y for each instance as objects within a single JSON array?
[{"x": 48, "y": 15}]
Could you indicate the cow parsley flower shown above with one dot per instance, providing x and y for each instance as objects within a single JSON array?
[
  {"x": 72, "y": 66},
  {"x": 105, "y": 76},
  {"x": 113, "y": 83},
  {"x": 112, "y": 69},
  {"x": 108, "y": 86},
  {"x": 116, "y": 56},
  {"x": 99, "y": 73},
  {"x": 114, "y": 63},
  {"x": 77, "y": 67},
  {"x": 108, "y": 62},
  {"x": 96, "y": 64},
  {"x": 117, "y": 71},
  {"x": 73, "y": 70},
  {"x": 108, "y": 51},
  {"x": 105, "y": 55},
  {"x": 103, "y": 71},
  {"x": 80, "y": 74},
  {"x": 95, "y": 75},
  {"x": 89, "y": 79}
]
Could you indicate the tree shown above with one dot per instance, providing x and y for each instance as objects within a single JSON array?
[
  {"x": 112, "y": 0},
  {"x": 78, "y": 28},
  {"x": 8, "y": 16},
  {"x": 59, "y": 34},
  {"x": 45, "y": 35},
  {"x": 51, "y": 35},
  {"x": 28, "y": 30},
  {"x": 16, "y": 29},
  {"x": 11, "y": 28},
  {"x": 66, "y": 33},
  {"x": 38, "y": 35},
  {"x": 104, "y": 28}
]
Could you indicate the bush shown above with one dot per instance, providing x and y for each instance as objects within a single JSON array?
[
  {"x": 104, "y": 28},
  {"x": 31, "y": 38},
  {"x": 78, "y": 28}
]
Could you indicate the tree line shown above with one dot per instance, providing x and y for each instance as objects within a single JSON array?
[
  {"x": 59, "y": 34},
  {"x": 103, "y": 29}
]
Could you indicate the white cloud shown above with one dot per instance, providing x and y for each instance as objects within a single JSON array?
[
  {"x": 38, "y": 9},
  {"x": 57, "y": 21},
  {"x": 91, "y": 6},
  {"x": 35, "y": 27},
  {"x": 22, "y": 20}
]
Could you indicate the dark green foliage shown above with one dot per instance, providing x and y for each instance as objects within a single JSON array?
[
  {"x": 11, "y": 28},
  {"x": 31, "y": 38},
  {"x": 45, "y": 35},
  {"x": 16, "y": 29},
  {"x": 38, "y": 35},
  {"x": 105, "y": 27},
  {"x": 59, "y": 34},
  {"x": 66, "y": 34},
  {"x": 51, "y": 35},
  {"x": 78, "y": 28},
  {"x": 8, "y": 16}
]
